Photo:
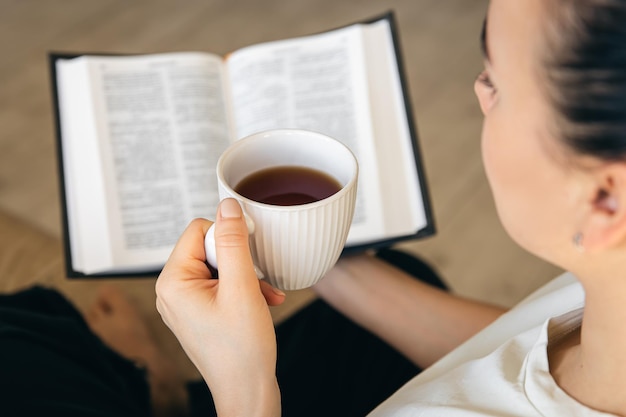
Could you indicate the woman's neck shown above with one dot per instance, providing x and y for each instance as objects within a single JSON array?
[{"x": 590, "y": 365}]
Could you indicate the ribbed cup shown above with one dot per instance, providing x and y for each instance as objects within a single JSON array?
[{"x": 294, "y": 246}]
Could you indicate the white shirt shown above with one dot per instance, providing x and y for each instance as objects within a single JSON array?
[{"x": 503, "y": 370}]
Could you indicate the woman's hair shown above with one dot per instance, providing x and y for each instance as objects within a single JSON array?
[{"x": 585, "y": 68}]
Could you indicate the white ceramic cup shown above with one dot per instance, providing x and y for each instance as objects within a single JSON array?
[{"x": 292, "y": 247}]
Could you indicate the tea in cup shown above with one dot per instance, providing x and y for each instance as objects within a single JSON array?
[{"x": 297, "y": 190}]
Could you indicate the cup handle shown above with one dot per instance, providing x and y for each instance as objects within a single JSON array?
[{"x": 209, "y": 245}]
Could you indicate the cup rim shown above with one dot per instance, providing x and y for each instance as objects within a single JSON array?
[{"x": 241, "y": 142}]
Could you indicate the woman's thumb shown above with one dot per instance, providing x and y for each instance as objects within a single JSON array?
[{"x": 234, "y": 261}]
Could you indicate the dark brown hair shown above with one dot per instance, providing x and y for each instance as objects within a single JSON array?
[{"x": 585, "y": 69}]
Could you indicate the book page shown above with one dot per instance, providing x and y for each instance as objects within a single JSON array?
[
  {"x": 161, "y": 128},
  {"x": 316, "y": 83},
  {"x": 82, "y": 171},
  {"x": 404, "y": 211}
]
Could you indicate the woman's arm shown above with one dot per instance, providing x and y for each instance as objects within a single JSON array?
[{"x": 419, "y": 320}]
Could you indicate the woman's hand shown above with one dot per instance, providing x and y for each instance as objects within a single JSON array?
[{"x": 224, "y": 325}]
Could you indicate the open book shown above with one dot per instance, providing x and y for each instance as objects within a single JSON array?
[{"x": 139, "y": 137}]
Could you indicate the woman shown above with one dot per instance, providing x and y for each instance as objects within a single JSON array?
[{"x": 554, "y": 146}]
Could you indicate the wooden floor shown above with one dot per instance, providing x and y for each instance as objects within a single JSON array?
[{"x": 441, "y": 52}]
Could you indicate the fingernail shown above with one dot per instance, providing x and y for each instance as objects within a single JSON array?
[
  {"x": 230, "y": 209},
  {"x": 278, "y": 292}
]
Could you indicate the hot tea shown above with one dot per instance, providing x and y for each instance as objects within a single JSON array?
[
  {"x": 298, "y": 218},
  {"x": 288, "y": 186}
]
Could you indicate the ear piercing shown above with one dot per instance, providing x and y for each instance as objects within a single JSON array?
[{"x": 578, "y": 241}]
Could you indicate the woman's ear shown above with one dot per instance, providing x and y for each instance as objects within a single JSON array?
[{"x": 604, "y": 225}]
